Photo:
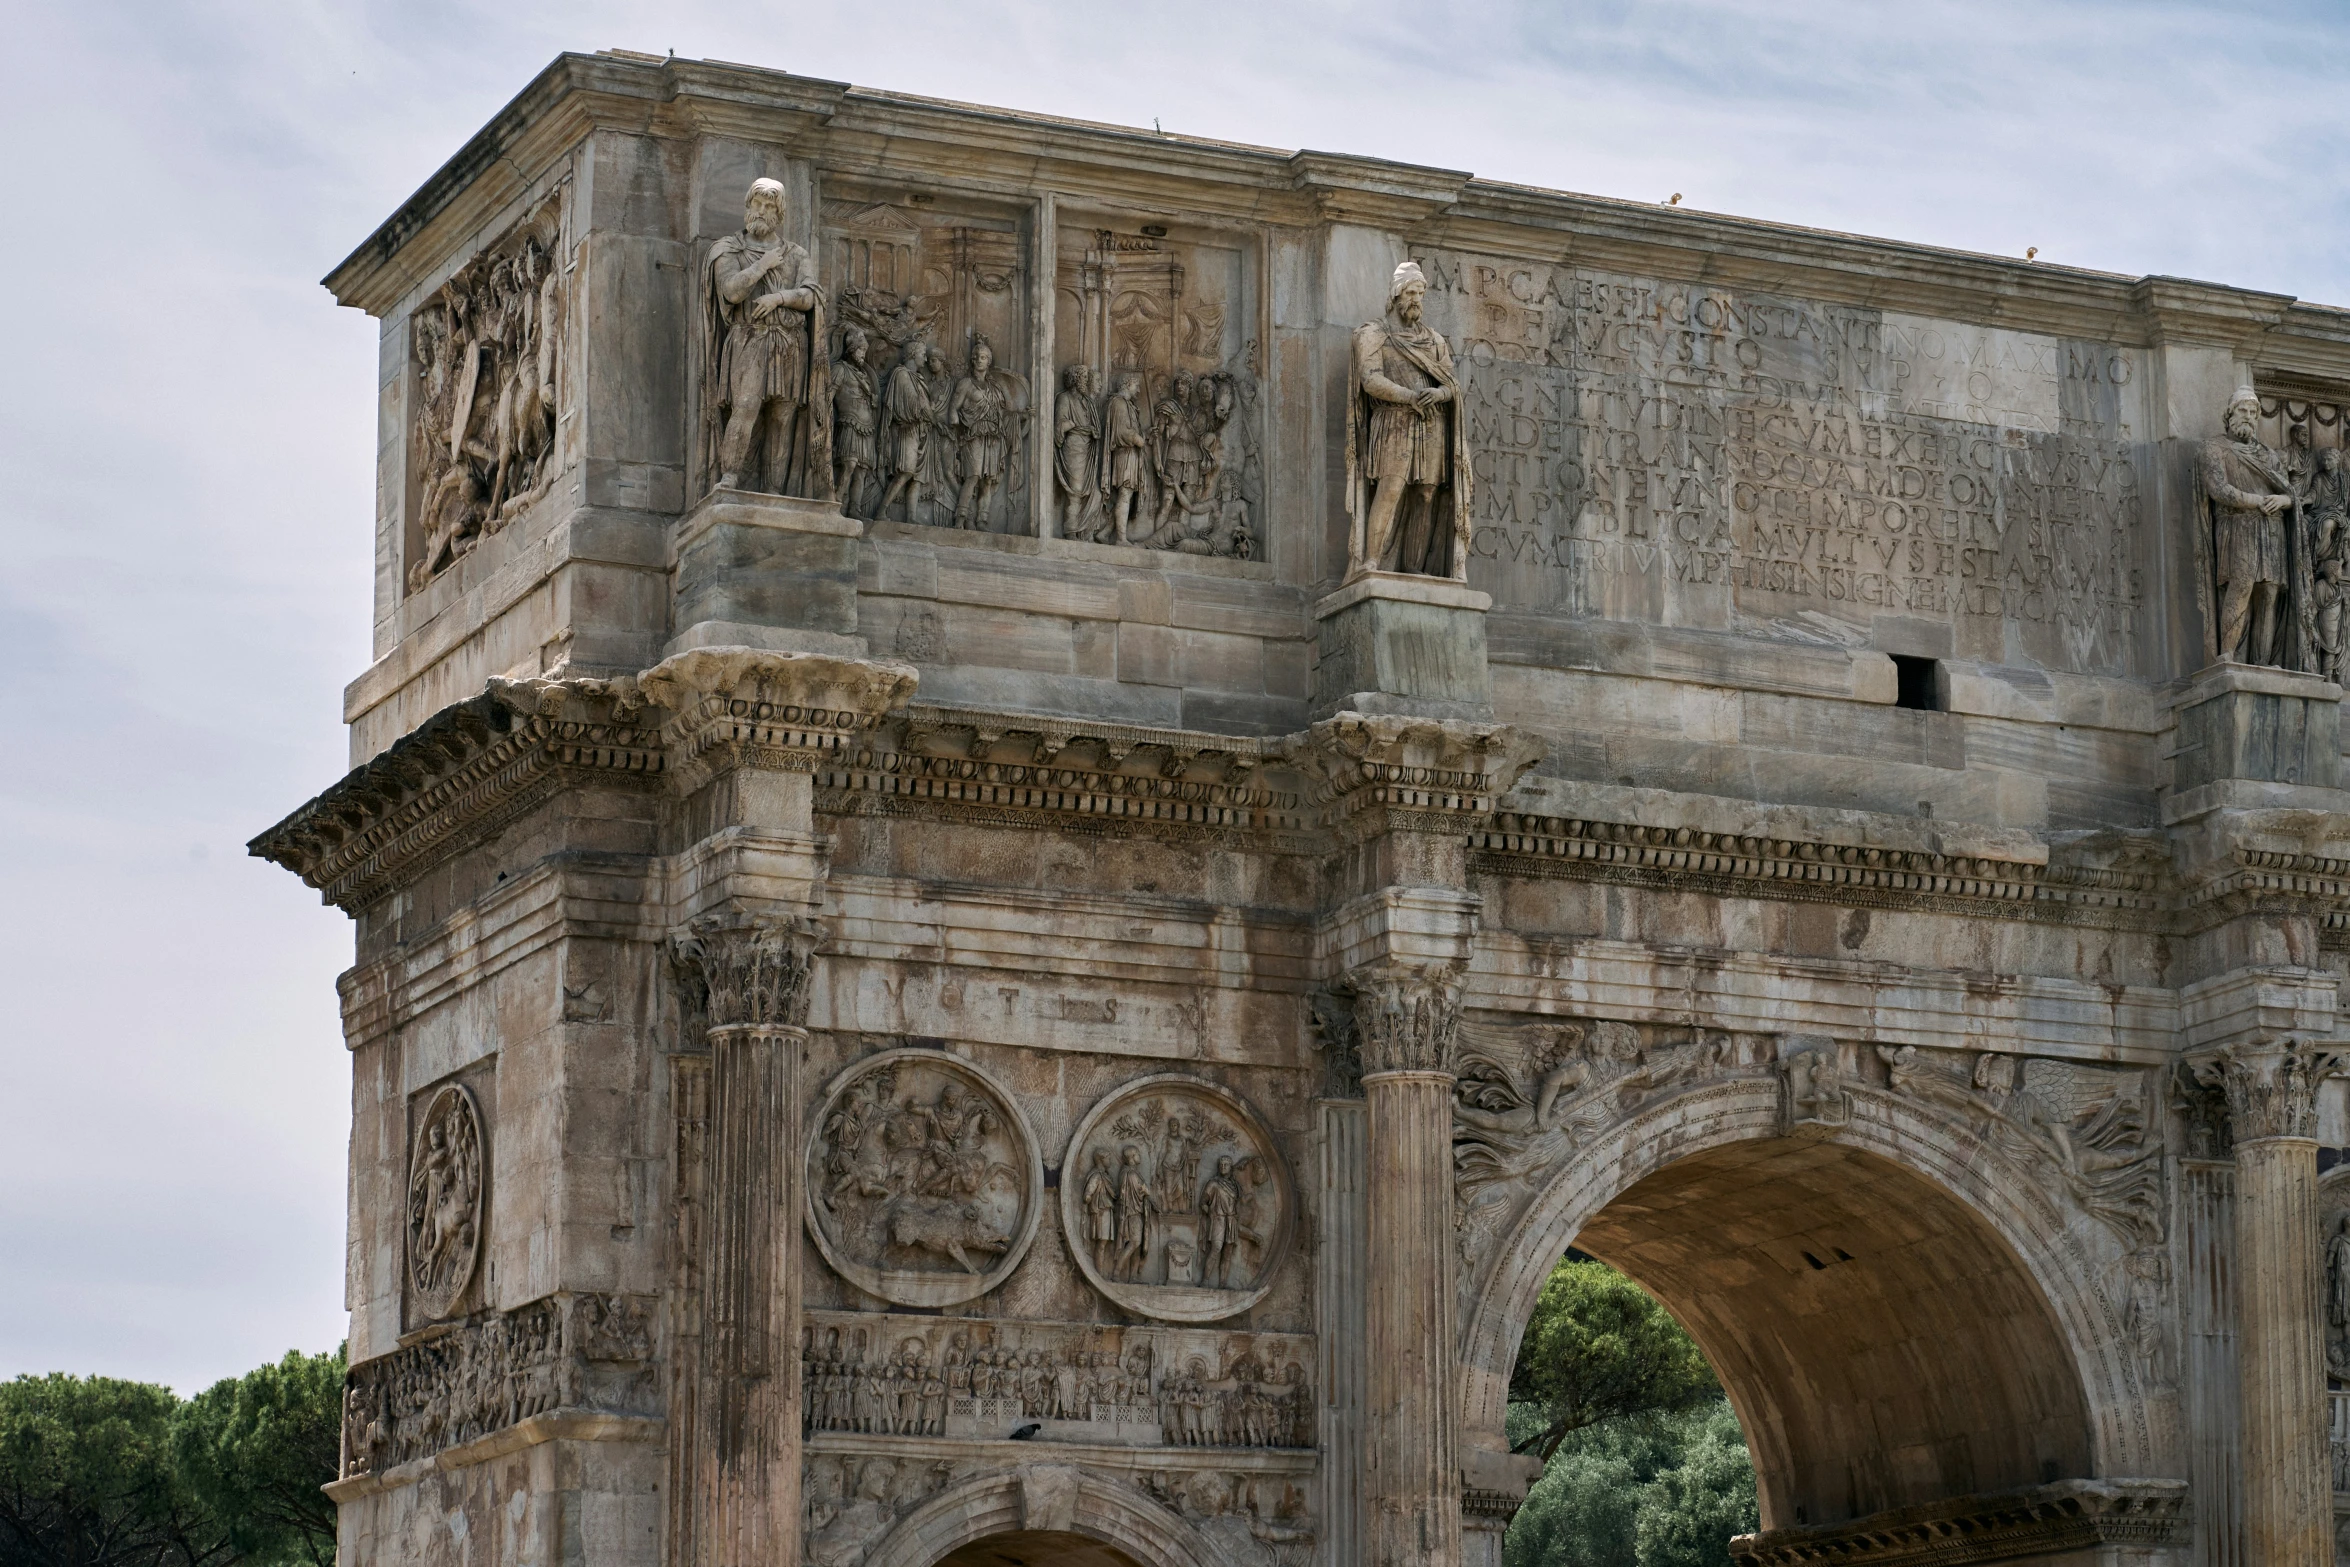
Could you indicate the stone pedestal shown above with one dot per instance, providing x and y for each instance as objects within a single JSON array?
[
  {"x": 2287, "y": 1479},
  {"x": 1392, "y": 643},
  {"x": 2250, "y": 736},
  {"x": 768, "y": 572}
]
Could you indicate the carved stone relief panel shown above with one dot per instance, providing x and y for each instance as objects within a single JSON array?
[
  {"x": 1175, "y": 1201},
  {"x": 924, "y": 1185},
  {"x": 490, "y": 390},
  {"x": 878, "y": 1374},
  {"x": 2274, "y": 534},
  {"x": 487, "y": 1373},
  {"x": 1647, "y": 449},
  {"x": 930, "y": 345},
  {"x": 1157, "y": 417},
  {"x": 448, "y": 1172},
  {"x": 2333, "y": 1217}
]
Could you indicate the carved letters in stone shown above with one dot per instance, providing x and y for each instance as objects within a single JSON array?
[
  {"x": 1175, "y": 1201},
  {"x": 1408, "y": 486},
  {"x": 883, "y": 1375},
  {"x": 766, "y": 380},
  {"x": 577, "y": 1351},
  {"x": 447, "y": 1173},
  {"x": 491, "y": 381},
  {"x": 924, "y": 1185}
]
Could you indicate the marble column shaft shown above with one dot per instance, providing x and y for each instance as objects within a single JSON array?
[{"x": 2287, "y": 1480}]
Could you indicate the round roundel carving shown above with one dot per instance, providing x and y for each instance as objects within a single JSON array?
[
  {"x": 445, "y": 1171},
  {"x": 924, "y": 1186},
  {"x": 1175, "y": 1201}
]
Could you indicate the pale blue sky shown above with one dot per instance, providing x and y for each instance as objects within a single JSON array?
[{"x": 185, "y": 427}]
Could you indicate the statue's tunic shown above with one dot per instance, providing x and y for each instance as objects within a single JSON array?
[
  {"x": 1402, "y": 362},
  {"x": 2248, "y": 544},
  {"x": 762, "y": 359}
]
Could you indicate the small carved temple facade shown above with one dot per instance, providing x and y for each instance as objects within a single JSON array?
[{"x": 1042, "y": 809}]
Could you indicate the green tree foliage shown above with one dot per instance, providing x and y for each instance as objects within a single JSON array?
[
  {"x": 1644, "y": 1463},
  {"x": 256, "y": 1449},
  {"x": 97, "y": 1472},
  {"x": 1599, "y": 1349}
]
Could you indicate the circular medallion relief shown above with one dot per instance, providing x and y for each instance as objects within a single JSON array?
[
  {"x": 445, "y": 1201},
  {"x": 923, "y": 1181},
  {"x": 1175, "y": 1201}
]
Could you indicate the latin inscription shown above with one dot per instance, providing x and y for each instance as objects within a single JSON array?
[{"x": 1650, "y": 450}]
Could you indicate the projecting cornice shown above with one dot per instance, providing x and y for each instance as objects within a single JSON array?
[{"x": 933, "y": 143}]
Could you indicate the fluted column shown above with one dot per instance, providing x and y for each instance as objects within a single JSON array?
[
  {"x": 1406, "y": 1016},
  {"x": 2288, "y": 1487},
  {"x": 754, "y": 974}
]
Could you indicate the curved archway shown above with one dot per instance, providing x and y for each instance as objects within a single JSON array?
[
  {"x": 1047, "y": 1508},
  {"x": 1898, "y": 1314}
]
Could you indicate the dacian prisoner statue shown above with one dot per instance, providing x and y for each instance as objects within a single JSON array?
[
  {"x": 1407, "y": 478},
  {"x": 765, "y": 394},
  {"x": 2257, "y": 555}
]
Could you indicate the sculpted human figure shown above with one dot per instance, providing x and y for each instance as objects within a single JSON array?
[
  {"x": 1407, "y": 457},
  {"x": 856, "y": 422},
  {"x": 1100, "y": 1199},
  {"x": 942, "y": 476},
  {"x": 1135, "y": 1206},
  {"x": 984, "y": 413},
  {"x": 1076, "y": 454},
  {"x": 2329, "y": 518},
  {"x": 1176, "y": 458},
  {"x": 2253, "y": 518},
  {"x": 1217, "y": 1202},
  {"x": 2338, "y": 1297},
  {"x": 1123, "y": 445},
  {"x": 910, "y": 415},
  {"x": 767, "y": 385}
]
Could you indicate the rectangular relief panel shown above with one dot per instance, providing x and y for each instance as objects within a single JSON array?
[
  {"x": 926, "y": 280},
  {"x": 1666, "y": 452},
  {"x": 1158, "y": 416}
]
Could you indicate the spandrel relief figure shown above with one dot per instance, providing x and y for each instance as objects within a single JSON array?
[
  {"x": 922, "y": 1181},
  {"x": 2257, "y": 554},
  {"x": 766, "y": 392},
  {"x": 1408, "y": 479},
  {"x": 985, "y": 414},
  {"x": 856, "y": 426}
]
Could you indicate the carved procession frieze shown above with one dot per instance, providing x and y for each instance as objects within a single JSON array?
[
  {"x": 1156, "y": 431},
  {"x": 924, "y": 1184},
  {"x": 875, "y": 1374},
  {"x": 491, "y": 383},
  {"x": 929, "y": 406},
  {"x": 487, "y": 1373},
  {"x": 447, "y": 1188},
  {"x": 1175, "y": 1201}
]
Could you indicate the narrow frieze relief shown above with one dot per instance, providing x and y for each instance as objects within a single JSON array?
[
  {"x": 924, "y": 1185},
  {"x": 2095, "y": 1131},
  {"x": 873, "y": 1374},
  {"x": 447, "y": 1175},
  {"x": 492, "y": 387},
  {"x": 1175, "y": 1201},
  {"x": 589, "y": 1351}
]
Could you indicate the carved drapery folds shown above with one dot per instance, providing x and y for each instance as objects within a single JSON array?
[
  {"x": 491, "y": 377},
  {"x": 766, "y": 393},
  {"x": 2271, "y": 1089},
  {"x": 1406, "y": 1016},
  {"x": 2274, "y": 540},
  {"x": 1408, "y": 477}
]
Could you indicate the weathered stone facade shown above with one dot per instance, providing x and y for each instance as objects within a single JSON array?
[{"x": 1258, "y": 743}]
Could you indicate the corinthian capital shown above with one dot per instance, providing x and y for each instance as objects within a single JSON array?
[
  {"x": 754, "y": 970},
  {"x": 1406, "y": 1016},
  {"x": 2271, "y": 1087}
]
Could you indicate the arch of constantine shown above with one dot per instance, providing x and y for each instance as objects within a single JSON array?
[{"x": 1042, "y": 809}]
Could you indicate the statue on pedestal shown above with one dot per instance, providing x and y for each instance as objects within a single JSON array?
[
  {"x": 2259, "y": 561},
  {"x": 1407, "y": 457},
  {"x": 766, "y": 391}
]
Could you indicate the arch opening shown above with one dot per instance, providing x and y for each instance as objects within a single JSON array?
[
  {"x": 1036, "y": 1548},
  {"x": 1882, "y": 1345}
]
